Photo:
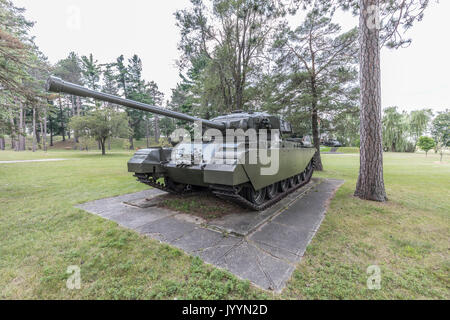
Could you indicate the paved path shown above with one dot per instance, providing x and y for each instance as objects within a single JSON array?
[
  {"x": 263, "y": 247},
  {"x": 39, "y": 160}
]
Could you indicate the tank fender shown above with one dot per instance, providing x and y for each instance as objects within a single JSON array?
[{"x": 149, "y": 160}]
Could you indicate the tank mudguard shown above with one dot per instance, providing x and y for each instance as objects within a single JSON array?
[
  {"x": 291, "y": 161},
  {"x": 149, "y": 160}
]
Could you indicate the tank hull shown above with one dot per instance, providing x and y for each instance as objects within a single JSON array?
[{"x": 157, "y": 163}]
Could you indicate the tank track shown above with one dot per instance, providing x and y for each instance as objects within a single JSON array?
[
  {"x": 231, "y": 194},
  {"x": 224, "y": 192},
  {"x": 153, "y": 182},
  {"x": 143, "y": 178}
]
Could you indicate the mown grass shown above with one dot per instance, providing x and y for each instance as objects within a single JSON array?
[
  {"x": 407, "y": 237},
  {"x": 42, "y": 234},
  {"x": 348, "y": 150}
]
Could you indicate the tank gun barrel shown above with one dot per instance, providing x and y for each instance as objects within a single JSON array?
[{"x": 58, "y": 85}]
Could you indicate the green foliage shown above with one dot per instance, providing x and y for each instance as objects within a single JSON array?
[
  {"x": 345, "y": 127},
  {"x": 23, "y": 71},
  {"x": 230, "y": 35},
  {"x": 101, "y": 124},
  {"x": 69, "y": 69},
  {"x": 316, "y": 77},
  {"x": 401, "y": 131},
  {"x": 441, "y": 128},
  {"x": 87, "y": 143},
  {"x": 441, "y": 131},
  {"x": 419, "y": 122},
  {"x": 396, "y": 131},
  {"x": 426, "y": 144},
  {"x": 90, "y": 71}
]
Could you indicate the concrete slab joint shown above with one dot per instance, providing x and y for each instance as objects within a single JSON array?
[{"x": 263, "y": 247}]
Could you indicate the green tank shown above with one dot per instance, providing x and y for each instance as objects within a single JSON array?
[{"x": 242, "y": 157}]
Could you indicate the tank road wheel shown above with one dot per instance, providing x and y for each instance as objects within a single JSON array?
[
  {"x": 292, "y": 182},
  {"x": 256, "y": 197},
  {"x": 272, "y": 190},
  {"x": 295, "y": 180},
  {"x": 284, "y": 185},
  {"x": 301, "y": 177},
  {"x": 173, "y": 186},
  {"x": 308, "y": 171}
]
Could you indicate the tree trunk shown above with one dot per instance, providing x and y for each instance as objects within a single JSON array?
[
  {"x": 13, "y": 135},
  {"x": 34, "y": 130},
  {"x": 44, "y": 135},
  {"x": 78, "y": 106},
  {"x": 147, "y": 132},
  {"x": 41, "y": 134},
  {"x": 370, "y": 185},
  {"x": 130, "y": 139},
  {"x": 102, "y": 144},
  {"x": 157, "y": 130},
  {"x": 315, "y": 129},
  {"x": 38, "y": 131},
  {"x": 51, "y": 132},
  {"x": 61, "y": 114},
  {"x": 2, "y": 143},
  {"x": 22, "y": 132}
]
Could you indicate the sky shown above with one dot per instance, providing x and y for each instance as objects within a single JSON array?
[{"x": 412, "y": 78}]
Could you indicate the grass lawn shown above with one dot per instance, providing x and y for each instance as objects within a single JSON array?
[{"x": 42, "y": 234}]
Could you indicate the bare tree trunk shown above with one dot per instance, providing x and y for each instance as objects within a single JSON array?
[
  {"x": 61, "y": 114},
  {"x": 2, "y": 143},
  {"x": 51, "y": 132},
  {"x": 147, "y": 132},
  {"x": 41, "y": 126},
  {"x": 78, "y": 106},
  {"x": 38, "y": 132},
  {"x": 370, "y": 185},
  {"x": 34, "y": 130},
  {"x": 157, "y": 130},
  {"x": 102, "y": 145},
  {"x": 315, "y": 128},
  {"x": 318, "y": 166},
  {"x": 130, "y": 139},
  {"x": 38, "y": 129},
  {"x": 44, "y": 135},
  {"x": 14, "y": 144},
  {"x": 22, "y": 131}
]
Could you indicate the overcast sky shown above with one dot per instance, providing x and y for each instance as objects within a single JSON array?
[{"x": 412, "y": 78}]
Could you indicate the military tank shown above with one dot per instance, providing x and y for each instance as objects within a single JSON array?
[{"x": 253, "y": 165}]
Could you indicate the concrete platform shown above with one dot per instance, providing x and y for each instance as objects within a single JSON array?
[{"x": 263, "y": 247}]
